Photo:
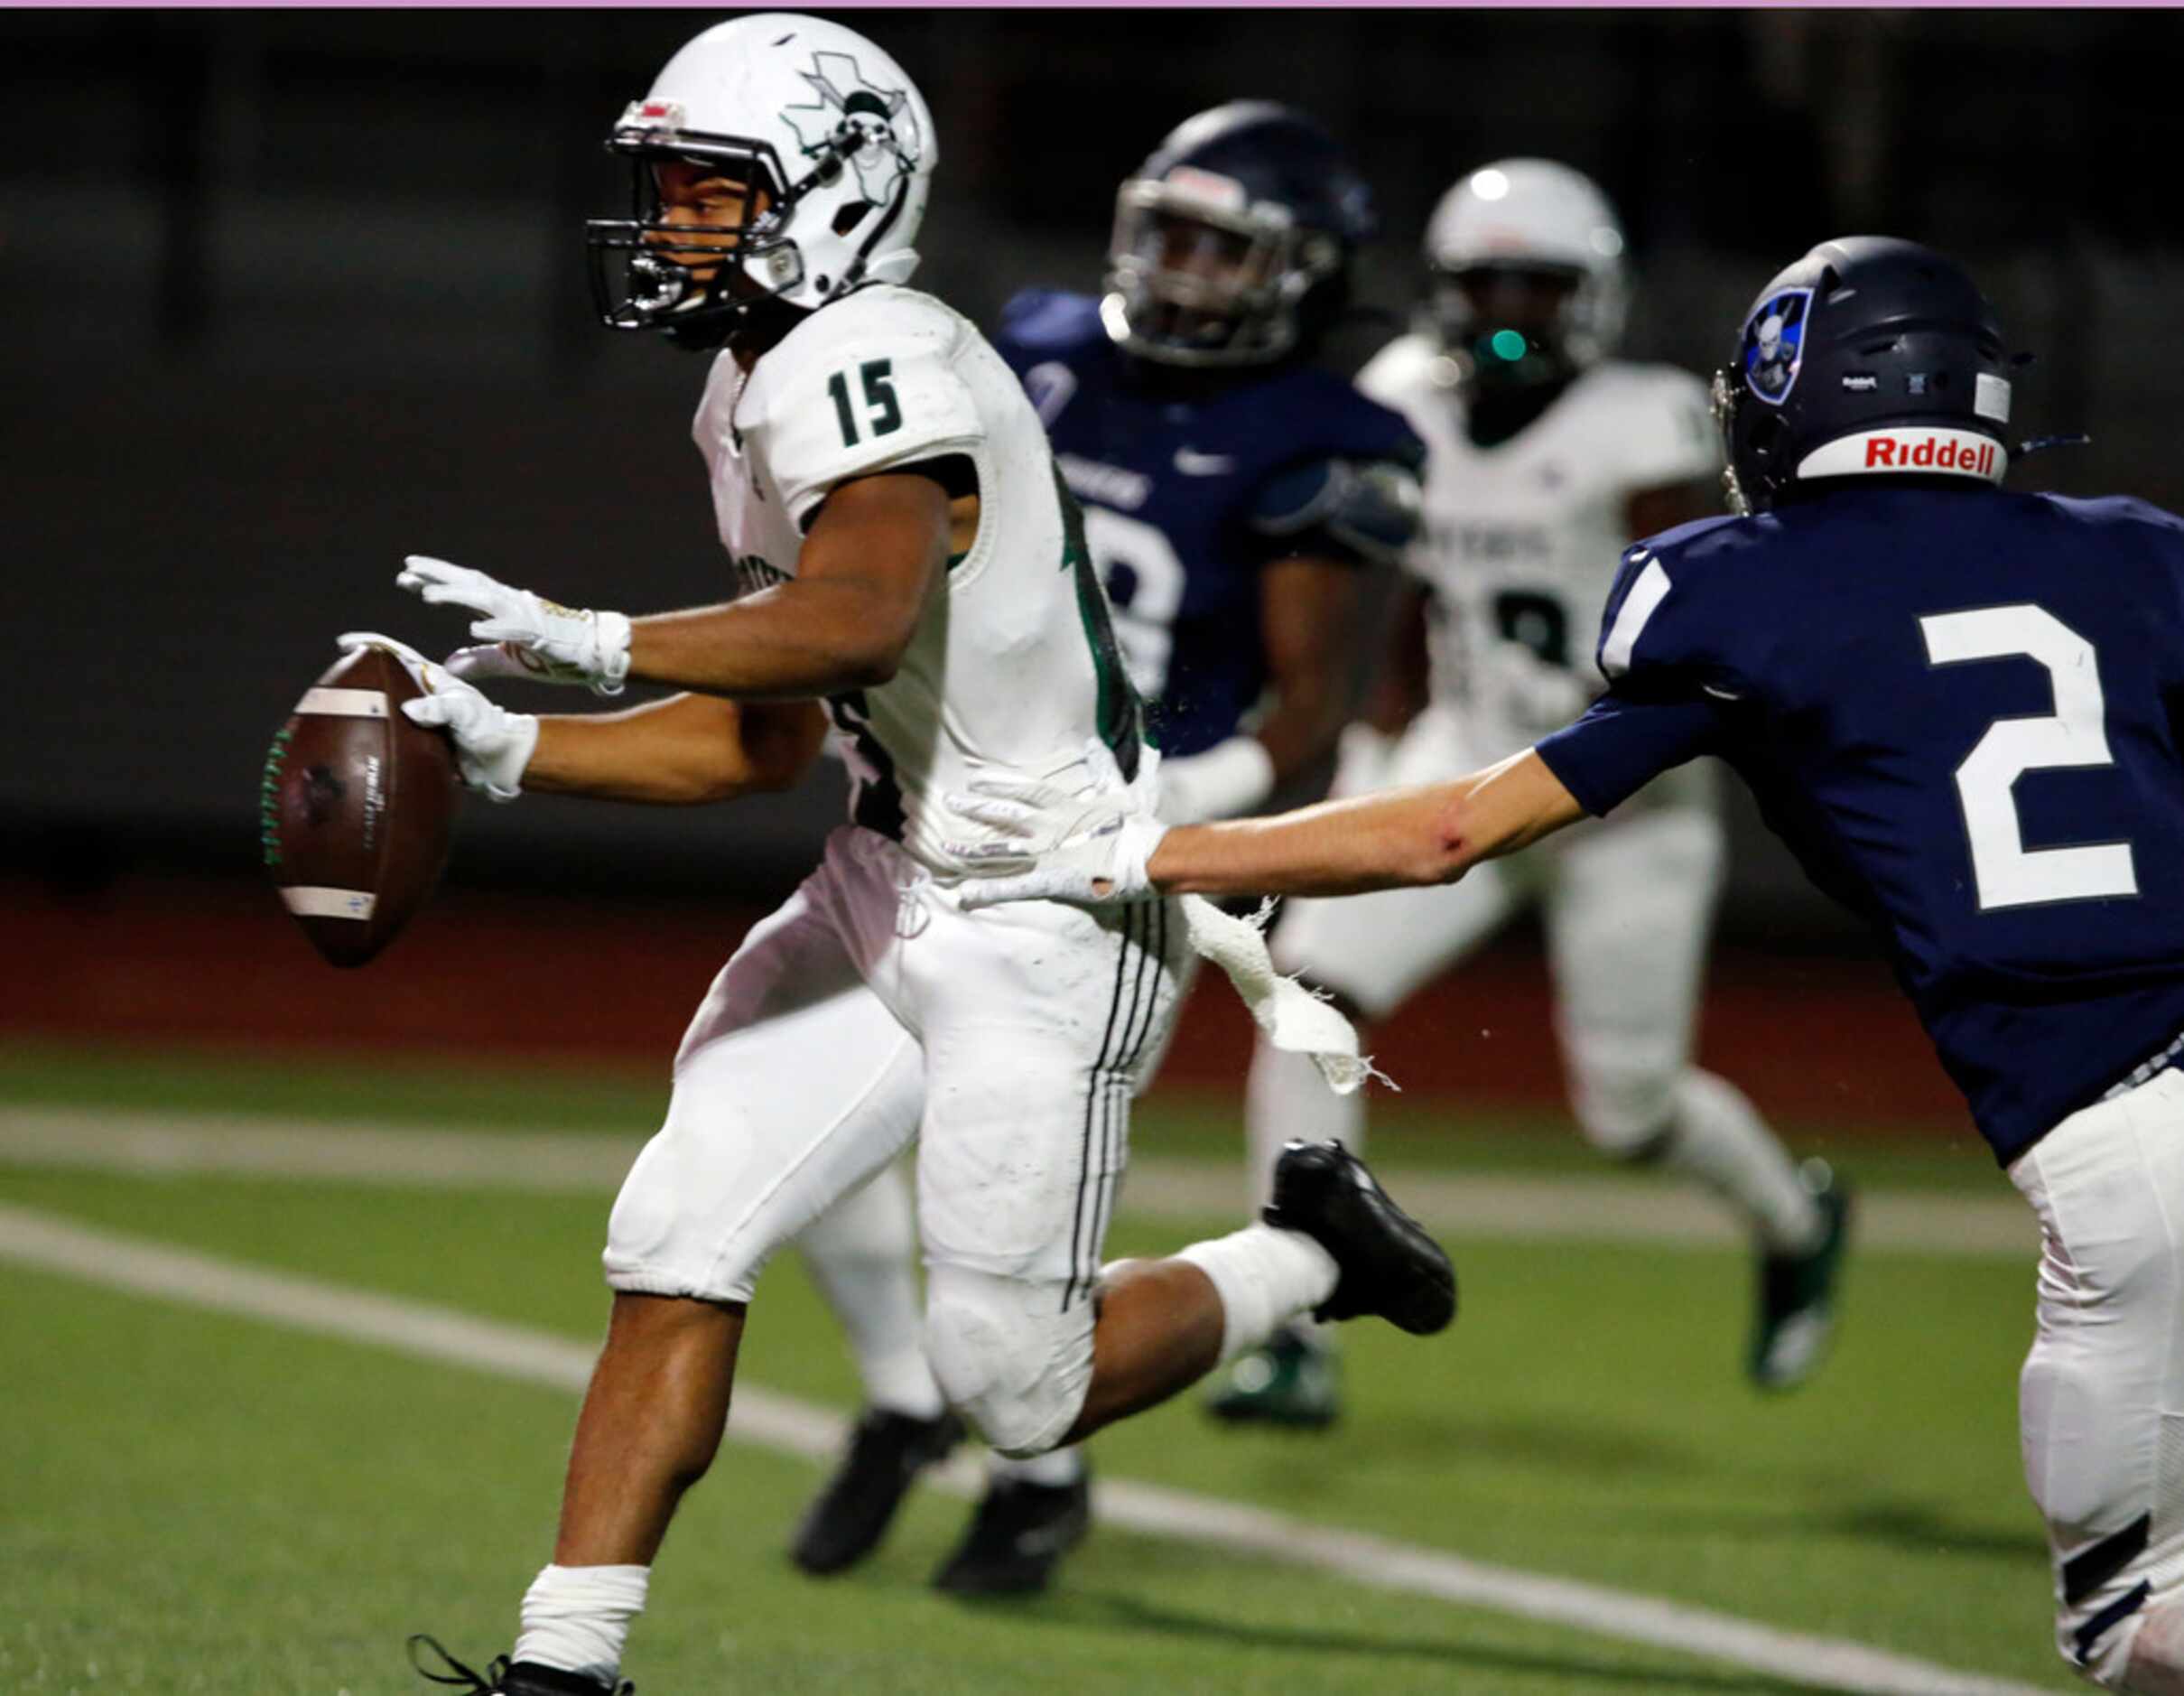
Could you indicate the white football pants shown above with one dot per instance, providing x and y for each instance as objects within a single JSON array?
[
  {"x": 871, "y": 1011},
  {"x": 2101, "y": 1397}
]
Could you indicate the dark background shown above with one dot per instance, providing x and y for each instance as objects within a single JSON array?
[{"x": 288, "y": 295}]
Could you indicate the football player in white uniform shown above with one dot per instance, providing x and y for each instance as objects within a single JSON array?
[
  {"x": 1544, "y": 458},
  {"x": 906, "y": 552},
  {"x": 1233, "y": 492}
]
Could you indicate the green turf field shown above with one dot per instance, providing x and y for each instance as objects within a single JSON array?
[
  {"x": 1410, "y": 1129},
  {"x": 199, "y": 1501}
]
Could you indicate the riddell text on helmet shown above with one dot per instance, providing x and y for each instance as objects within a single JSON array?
[
  {"x": 1929, "y": 452},
  {"x": 1965, "y": 452}
]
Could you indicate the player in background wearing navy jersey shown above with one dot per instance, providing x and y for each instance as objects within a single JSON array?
[
  {"x": 1230, "y": 489},
  {"x": 1960, "y": 708},
  {"x": 1547, "y": 455}
]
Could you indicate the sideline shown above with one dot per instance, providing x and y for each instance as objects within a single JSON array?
[
  {"x": 1606, "y": 1208},
  {"x": 54, "y": 1244}
]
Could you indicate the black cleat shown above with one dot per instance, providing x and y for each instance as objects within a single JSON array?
[
  {"x": 853, "y": 1513},
  {"x": 1796, "y": 1322},
  {"x": 1016, "y": 1538},
  {"x": 1390, "y": 1266},
  {"x": 502, "y": 1679}
]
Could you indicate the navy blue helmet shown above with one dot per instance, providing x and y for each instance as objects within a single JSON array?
[
  {"x": 1868, "y": 357},
  {"x": 1233, "y": 242}
]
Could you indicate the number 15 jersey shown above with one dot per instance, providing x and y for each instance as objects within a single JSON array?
[
  {"x": 1959, "y": 709},
  {"x": 1013, "y": 666}
]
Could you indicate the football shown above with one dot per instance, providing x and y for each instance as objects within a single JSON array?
[{"x": 357, "y": 807}]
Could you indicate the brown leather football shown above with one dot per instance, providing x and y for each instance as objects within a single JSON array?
[{"x": 358, "y": 807}]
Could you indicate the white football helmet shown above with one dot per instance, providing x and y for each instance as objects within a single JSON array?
[
  {"x": 1532, "y": 215},
  {"x": 814, "y": 114}
]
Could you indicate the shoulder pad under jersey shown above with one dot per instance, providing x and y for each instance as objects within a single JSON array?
[{"x": 864, "y": 384}]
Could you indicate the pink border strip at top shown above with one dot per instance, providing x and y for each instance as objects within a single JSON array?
[{"x": 1114, "y": 5}]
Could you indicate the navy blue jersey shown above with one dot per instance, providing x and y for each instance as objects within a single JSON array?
[
  {"x": 1958, "y": 708},
  {"x": 1189, "y": 487}
]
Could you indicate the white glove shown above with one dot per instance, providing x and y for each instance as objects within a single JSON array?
[
  {"x": 526, "y": 635},
  {"x": 1228, "y": 778},
  {"x": 1538, "y": 696},
  {"x": 492, "y": 744},
  {"x": 1089, "y": 847}
]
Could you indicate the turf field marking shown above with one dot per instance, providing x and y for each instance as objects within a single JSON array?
[
  {"x": 55, "y": 1245},
  {"x": 1599, "y": 1209}
]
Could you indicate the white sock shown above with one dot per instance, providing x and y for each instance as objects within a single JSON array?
[
  {"x": 862, "y": 1253},
  {"x": 576, "y": 1619},
  {"x": 1721, "y": 1140},
  {"x": 1054, "y": 1469},
  {"x": 1263, "y": 1276}
]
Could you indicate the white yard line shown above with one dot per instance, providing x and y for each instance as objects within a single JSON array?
[
  {"x": 54, "y": 1244},
  {"x": 1605, "y": 1209}
]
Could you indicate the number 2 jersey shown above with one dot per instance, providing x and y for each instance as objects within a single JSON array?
[
  {"x": 1013, "y": 668},
  {"x": 1958, "y": 708},
  {"x": 1192, "y": 483},
  {"x": 1521, "y": 539}
]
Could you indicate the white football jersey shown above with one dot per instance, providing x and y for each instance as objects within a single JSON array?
[
  {"x": 1521, "y": 541},
  {"x": 1011, "y": 670}
]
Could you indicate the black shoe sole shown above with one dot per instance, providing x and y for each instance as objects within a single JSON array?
[{"x": 1390, "y": 1265}]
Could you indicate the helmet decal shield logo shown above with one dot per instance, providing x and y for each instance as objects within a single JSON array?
[
  {"x": 1774, "y": 345},
  {"x": 874, "y": 128}
]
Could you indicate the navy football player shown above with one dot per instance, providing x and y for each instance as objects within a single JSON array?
[
  {"x": 1547, "y": 456},
  {"x": 1960, "y": 707},
  {"x": 1230, "y": 489}
]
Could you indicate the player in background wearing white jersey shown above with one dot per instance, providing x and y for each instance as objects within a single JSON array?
[
  {"x": 1544, "y": 458},
  {"x": 906, "y": 550}
]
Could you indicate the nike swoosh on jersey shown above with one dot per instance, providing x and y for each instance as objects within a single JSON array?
[{"x": 1193, "y": 463}]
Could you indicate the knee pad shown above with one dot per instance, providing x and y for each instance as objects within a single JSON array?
[{"x": 1008, "y": 1357}]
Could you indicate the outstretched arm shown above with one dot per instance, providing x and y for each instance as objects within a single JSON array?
[
  {"x": 1097, "y": 845},
  {"x": 1100, "y": 845},
  {"x": 1431, "y": 834}
]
